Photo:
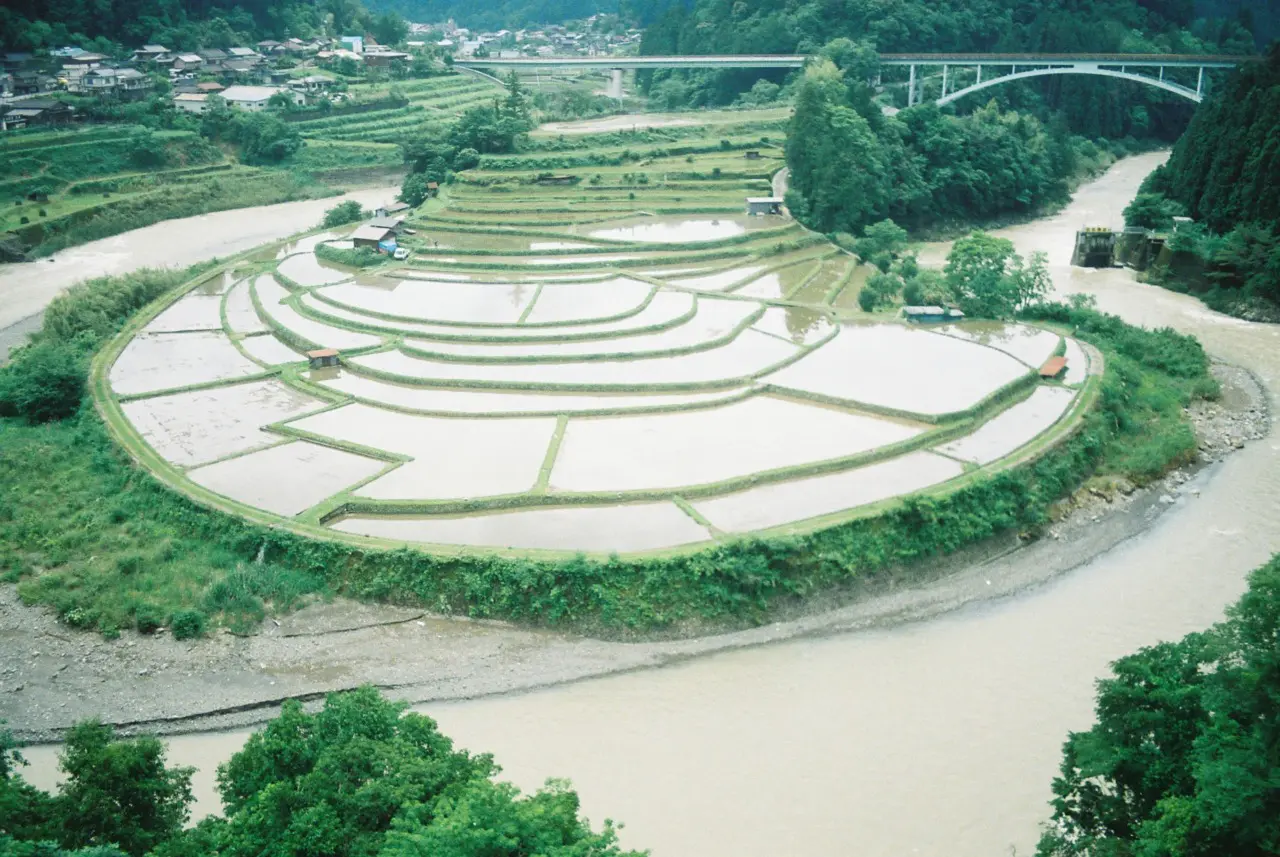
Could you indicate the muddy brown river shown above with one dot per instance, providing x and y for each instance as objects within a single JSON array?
[{"x": 938, "y": 738}]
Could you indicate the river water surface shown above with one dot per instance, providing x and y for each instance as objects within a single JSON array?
[{"x": 937, "y": 739}]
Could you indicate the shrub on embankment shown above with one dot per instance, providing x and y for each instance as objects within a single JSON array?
[{"x": 106, "y": 545}]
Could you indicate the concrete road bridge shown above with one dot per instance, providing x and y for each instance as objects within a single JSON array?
[{"x": 961, "y": 74}]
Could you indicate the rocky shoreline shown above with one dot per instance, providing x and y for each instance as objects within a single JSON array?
[{"x": 52, "y": 676}]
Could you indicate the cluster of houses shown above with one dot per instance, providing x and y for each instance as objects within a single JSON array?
[
  {"x": 550, "y": 40},
  {"x": 246, "y": 77}
]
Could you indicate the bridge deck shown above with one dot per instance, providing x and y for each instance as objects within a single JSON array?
[{"x": 796, "y": 61}]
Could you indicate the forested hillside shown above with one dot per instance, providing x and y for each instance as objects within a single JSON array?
[
  {"x": 517, "y": 14},
  {"x": 178, "y": 24},
  {"x": 1225, "y": 174},
  {"x": 1092, "y": 107},
  {"x": 852, "y": 166}
]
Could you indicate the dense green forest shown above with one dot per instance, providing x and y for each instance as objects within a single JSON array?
[
  {"x": 851, "y": 165},
  {"x": 359, "y": 778},
  {"x": 1225, "y": 174},
  {"x": 518, "y": 14},
  {"x": 1091, "y": 107},
  {"x": 1185, "y": 756},
  {"x": 177, "y": 24}
]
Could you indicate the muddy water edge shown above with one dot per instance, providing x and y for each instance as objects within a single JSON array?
[{"x": 935, "y": 738}]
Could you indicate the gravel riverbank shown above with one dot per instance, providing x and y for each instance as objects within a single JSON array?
[{"x": 52, "y": 676}]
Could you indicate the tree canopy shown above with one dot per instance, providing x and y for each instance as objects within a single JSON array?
[
  {"x": 1184, "y": 760},
  {"x": 360, "y": 778}
]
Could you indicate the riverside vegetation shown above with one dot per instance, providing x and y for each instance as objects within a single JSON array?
[
  {"x": 1182, "y": 759},
  {"x": 359, "y": 778},
  {"x": 1224, "y": 173}
]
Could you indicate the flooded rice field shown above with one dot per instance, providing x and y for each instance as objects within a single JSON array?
[
  {"x": 1031, "y": 345},
  {"x": 197, "y": 311},
  {"x": 650, "y": 231},
  {"x": 268, "y": 350},
  {"x": 306, "y": 269},
  {"x": 747, "y": 354},
  {"x": 631, "y": 527},
  {"x": 451, "y": 457},
  {"x": 476, "y": 402},
  {"x": 242, "y": 317},
  {"x": 203, "y": 425},
  {"x": 774, "y": 505},
  {"x": 722, "y": 371},
  {"x": 317, "y": 473},
  {"x": 271, "y": 296},
  {"x": 1014, "y": 427},
  {"x": 166, "y": 361},
  {"x": 900, "y": 368},
  {"x": 686, "y": 448}
]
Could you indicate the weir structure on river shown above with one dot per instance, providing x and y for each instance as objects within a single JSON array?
[{"x": 961, "y": 74}]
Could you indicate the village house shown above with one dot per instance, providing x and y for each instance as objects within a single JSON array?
[
  {"x": 256, "y": 98},
  {"x": 212, "y": 59},
  {"x": 187, "y": 62},
  {"x": 149, "y": 53},
  {"x": 34, "y": 111},
  {"x": 191, "y": 102},
  {"x": 125, "y": 83},
  {"x": 374, "y": 238}
]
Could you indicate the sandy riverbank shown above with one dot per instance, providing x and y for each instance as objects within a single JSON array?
[{"x": 52, "y": 676}]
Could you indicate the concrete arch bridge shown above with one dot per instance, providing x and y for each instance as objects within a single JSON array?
[{"x": 1170, "y": 72}]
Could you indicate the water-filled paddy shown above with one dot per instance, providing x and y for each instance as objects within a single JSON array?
[
  {"x": 718, "y": 282},
  {"x": 468, "y": 303},
  {"x": 1031, "y": 345},
  {"x": 668, "y": 231},
  {"x": 828, "y": 277},
  {"x": 269, "y": 350},
  {"x": 779, "y": 284},
  {"x": 781, "y": 503},
  {"x": 306, "y": 269},
  {"x": 242, "y": 317},
  {"x": 747, "y": 354},
  {"x": 557, "y": 303},
  {"x": 505, "y": 376},
  {"x": 1077, "y": 363},
  {"x": 270, "y": 296},
  {"x": 496, "y": 403},
  {"x": 452, "y": 457},
  {"x": 660, "y": 451},
  {"x": 195, "y": 311},
  {"x": 286, "y": 479},
  {"x": 714, "y": 321},
  {"x": 604, "y": 529},
  {"x": 1014, "y": 427},
  {"x": 203, "y": 425},
  {"x": 796, "y": 324},
  {"x": 901, "y": 368},
  {"x": 164, "y": 361}
]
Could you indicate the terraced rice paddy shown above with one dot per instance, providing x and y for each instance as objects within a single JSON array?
[{"x": 604, "y": 377}]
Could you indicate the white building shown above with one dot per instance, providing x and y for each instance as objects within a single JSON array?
[
  {"x": 191, "y": 102},
  {"x": 254, "y": 98}
]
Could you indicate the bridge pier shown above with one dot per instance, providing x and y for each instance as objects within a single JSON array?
[
  {"x": 615, "y": 83},
  {"x": 911, "y": 88}
]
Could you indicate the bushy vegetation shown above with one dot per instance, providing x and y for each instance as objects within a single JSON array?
[
  {"x": 852, "y": 166},
  {"x": 1095, "y": 108},
  {"x": 1183, "y": 757},
  {"x": 359, "y": 778},
  {"x": 357, "y": 257},
  {"x": 119, "y": 798},
  {"x": 342, "y": 214},
  {"x": 1224, "y": 173}
]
